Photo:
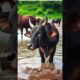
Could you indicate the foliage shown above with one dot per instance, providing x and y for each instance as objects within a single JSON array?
[{"x": 53, "y": 9}]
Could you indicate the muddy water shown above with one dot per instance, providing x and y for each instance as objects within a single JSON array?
[{"x": 31, "y": 59}]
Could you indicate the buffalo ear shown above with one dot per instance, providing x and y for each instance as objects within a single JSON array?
[{"x": 28, "y": 34}]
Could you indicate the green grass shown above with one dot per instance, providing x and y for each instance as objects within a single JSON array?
[{"x": 53, "y": 9}]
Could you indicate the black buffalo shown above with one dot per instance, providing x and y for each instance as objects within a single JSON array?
[{"x": 45, "y": 37}]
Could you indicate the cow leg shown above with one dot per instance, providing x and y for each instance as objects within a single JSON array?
[
  {"x": 26, "y": 29},
  {"x": 42, "y": 56},
  {"x": 21, "y": 33},
  {"x": 52, "y": 55}
]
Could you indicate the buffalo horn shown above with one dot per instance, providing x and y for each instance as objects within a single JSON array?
[
  {"x": 30, "y": 23},
  {"x": 45, "y": 21}
]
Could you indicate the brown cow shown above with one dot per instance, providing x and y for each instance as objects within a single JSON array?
[{"x": 23, "y": 22}]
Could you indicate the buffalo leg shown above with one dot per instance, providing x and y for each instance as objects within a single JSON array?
[
  {"x": 52, "y": 55},
  {"x": 42, "y": 56}
]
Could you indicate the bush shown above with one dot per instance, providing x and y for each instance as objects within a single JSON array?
[{"x": 40, "y": 8}]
